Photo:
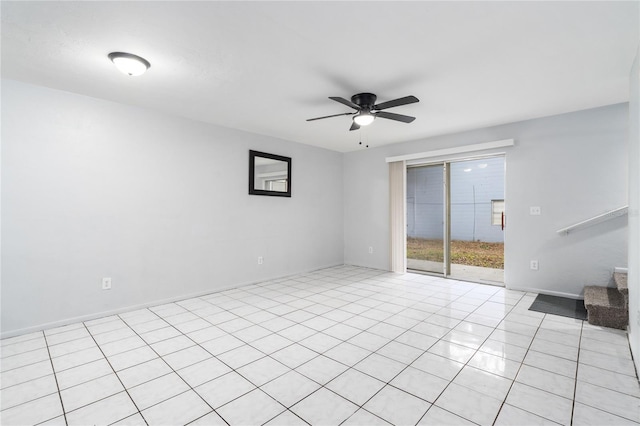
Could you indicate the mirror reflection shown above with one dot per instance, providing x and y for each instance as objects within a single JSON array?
[{"x": 269, "y": 174}]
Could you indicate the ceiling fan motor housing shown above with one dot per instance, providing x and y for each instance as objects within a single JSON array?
[{"x": 365, "y": 100}]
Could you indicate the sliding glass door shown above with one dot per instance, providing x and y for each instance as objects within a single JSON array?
[
  {"x": 425, "y": 218},
  {"x": 455, "y": 219},
  {"x": 477, "y": 220}
]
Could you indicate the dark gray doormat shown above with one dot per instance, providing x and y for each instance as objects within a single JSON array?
[{"x": 562, "y": 306}]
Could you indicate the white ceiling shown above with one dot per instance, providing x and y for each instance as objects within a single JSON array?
[{"x": 265, "y": 67}]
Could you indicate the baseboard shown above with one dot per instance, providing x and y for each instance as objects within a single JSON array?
[
  {"x": 374, "y": 268},
  {"x": 103, "y": 314},
  {"x": 548, "y": 292}
]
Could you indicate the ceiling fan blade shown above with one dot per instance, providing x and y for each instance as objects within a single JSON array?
[
  {"x": 354, "y": 126},
  {"x": 345, "y": 102},
  {"x": 329, "y": 116},
  {"x": 396, "y": 117},
  {"x": 396, "y": 102}
]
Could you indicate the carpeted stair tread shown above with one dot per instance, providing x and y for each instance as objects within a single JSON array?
[
  {"x": 621, "y": 282},
  {"x": 603, "y": 296},
  {"x": 606, "y": 307}
]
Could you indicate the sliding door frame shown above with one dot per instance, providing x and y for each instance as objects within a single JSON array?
[
  {"x": 447, "y": 219},
  {"x": 424, "y": 158},
  {"x": 446, "y": 164}
]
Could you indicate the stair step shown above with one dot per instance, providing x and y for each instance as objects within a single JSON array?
[
  {"x": 606, "y": 307},
  {"x": 621, "y": 282}
]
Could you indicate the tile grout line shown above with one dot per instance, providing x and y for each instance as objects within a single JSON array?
[
  {"x": 424, "y": 352},
  {"x": 182, "y": 334},
  {"x": 515, "y": 377},
  {"x": 287, "y": 409},
  {"x": 575, "y": 382},
  {"x": 234, "y": 370},
  {"x": 467, "y": 363},
  {"x": 550, "y": 371},
  {"x": 318, "y": 331},
  {"x": 119, "y": 380},
  {"x": 172, "y": 370},
  {"x": 599, "y": 385},
  {"x": 20, "y": 354},
  {"x": 293, "y": 342},
  {"x": 55, "y": 376},
  {"x": 214, "y": 356}
]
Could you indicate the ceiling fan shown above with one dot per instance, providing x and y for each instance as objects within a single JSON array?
[{"x": 367, "y": 110}]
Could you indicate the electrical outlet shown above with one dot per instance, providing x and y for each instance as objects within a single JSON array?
[
  {"x": 260, "y": 260},
  {"x": 534, "y": 265},
  {"x": 106, "y": 283},
  {"x": 370, "y": 250},
  {"x": 534, "y": 211}
]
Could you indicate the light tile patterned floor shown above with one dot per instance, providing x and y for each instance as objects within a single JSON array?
[{"x": 343, "y": 345}]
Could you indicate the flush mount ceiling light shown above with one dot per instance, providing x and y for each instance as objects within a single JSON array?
[
  {"x": 363, "y": 118},
  {"x": 129, "y": 64}
]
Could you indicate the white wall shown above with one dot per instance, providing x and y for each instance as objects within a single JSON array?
[
  {"x": 160, "y": 204},
  {"x": 92, "y": 188},
  {"x": 573, "y": 166},
  {"x": 634, "y": 210}
]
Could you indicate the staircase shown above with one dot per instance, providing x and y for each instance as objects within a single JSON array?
[{"x": 608, "y": 306}]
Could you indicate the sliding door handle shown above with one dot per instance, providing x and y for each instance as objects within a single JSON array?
[{"x": 502, "y": 221}]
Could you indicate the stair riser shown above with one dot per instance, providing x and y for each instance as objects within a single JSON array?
[
  {"x": 609, "y": 306},
  {"x": 608, "y": 317}
]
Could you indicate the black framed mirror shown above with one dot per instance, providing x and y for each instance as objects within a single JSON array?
[{"x": 269, "y": 174}]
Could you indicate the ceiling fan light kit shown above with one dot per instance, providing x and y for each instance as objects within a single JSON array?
[
  {"x": 367, "y": 110},
  {"x": 363, "y": 118}
]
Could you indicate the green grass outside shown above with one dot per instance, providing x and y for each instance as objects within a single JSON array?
[{"x": 472, "y": 253}]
